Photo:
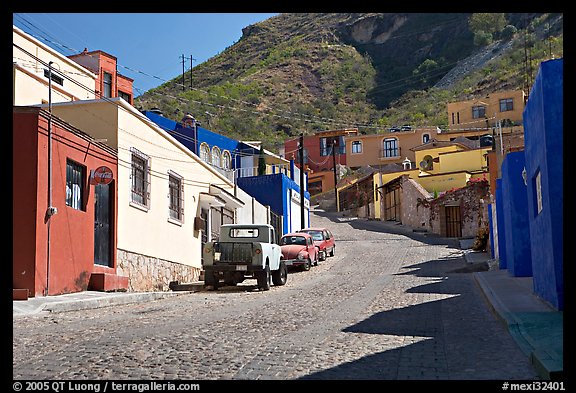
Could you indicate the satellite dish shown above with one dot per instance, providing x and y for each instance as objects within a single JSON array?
[{"x": 426, "y": 163}]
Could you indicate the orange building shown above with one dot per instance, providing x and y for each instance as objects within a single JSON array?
[
  {"x": 378, "y": 150},
  {"x": 319, "y": 157},
  {"x": 109, "y": 83},
  {"x": 64, "y": 228}
]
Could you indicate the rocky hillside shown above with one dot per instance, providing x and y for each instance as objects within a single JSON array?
[{"x": 298, "y": 73}]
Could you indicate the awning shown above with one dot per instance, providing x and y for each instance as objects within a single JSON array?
[
  {"x": 208, "y": 200},
  {"x": 230, "y": 200}
]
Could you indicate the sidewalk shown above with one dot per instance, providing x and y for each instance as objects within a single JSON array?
[
  {"x": 82, "y": 301},
  {"x": 536, "y": 326}
]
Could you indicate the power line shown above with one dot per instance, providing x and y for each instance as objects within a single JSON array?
[{"x": 291, "y": 115}]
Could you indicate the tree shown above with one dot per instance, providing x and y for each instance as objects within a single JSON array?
[{"x": 487, "y": 22}]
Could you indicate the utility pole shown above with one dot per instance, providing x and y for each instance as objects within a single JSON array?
[
  {"x": 191, "y": 59},
  {"x": 183, "y": 87},
  {"x": 301, "y": 150},
  {"x": 335, "y": 175}
]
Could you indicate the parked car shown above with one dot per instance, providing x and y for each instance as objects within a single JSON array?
[
  {"x": 324, "y": 241},
  {"x": 298, "y": 249}
]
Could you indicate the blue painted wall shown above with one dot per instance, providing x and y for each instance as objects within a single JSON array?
[
  {"x": 491, "y": 226},
  {"x": 500, "y": 225},
  {"x": 515, "y": 207},
  {"x": 266, "y": 190},
  {"x": 192, "y": 138},
  {"x": 543, "y": 140}
]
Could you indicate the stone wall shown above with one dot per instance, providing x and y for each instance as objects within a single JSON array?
[
  {"x": 472, "y": 199},
  {"x": 151, "y": 274},
  {"x": 415, "y": 205}
]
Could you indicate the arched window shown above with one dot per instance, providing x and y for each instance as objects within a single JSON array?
[
  {"x": 216, "y": 156},
  {"x": 425, "y": 138},
  {"x": 226, "y": 160},
  {"x": 205, "y": 152}
]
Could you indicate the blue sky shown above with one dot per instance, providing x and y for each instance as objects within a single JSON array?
[{"x": 151, "y": 43}]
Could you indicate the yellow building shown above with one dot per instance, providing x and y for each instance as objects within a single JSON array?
[
  {"x": 485, "y": 112},
  {"x": 441, "y": 166}
]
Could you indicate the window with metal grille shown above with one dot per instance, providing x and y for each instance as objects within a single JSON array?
[
  {"x": 140, "y": 178},
  {"x": 75, "y": 175},
  {"x": 176, "y": 196}
]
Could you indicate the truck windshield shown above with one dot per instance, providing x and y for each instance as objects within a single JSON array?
[{"x": 244, "y": 232}]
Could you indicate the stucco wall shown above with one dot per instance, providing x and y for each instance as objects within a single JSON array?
[
  {"x": 515, "y": 209},
  {"x": 544, "y": 138}
]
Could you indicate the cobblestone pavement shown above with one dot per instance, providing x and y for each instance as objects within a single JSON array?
[{"x": 386, "y": 306}]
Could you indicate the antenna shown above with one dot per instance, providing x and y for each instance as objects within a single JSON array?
[{"x": 426, "y": 163}]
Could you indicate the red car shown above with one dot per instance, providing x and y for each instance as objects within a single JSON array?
[
  {"x": 324, "y": 241},
  {"x": 298, "y": 249}
]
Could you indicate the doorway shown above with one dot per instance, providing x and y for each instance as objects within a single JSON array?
[
  {"x": 102, "y": 219},
  {"x": 453, "y": 221}
]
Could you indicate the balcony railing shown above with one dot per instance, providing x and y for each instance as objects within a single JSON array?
[
  {"x": 270, "y": 169},
  {"x": 390, "y": 152}
]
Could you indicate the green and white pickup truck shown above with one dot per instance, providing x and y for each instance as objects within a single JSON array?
[{"x": 244, "y": 251}]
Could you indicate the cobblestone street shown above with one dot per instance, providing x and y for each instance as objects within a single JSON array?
[{"x": 386, "y": 306}]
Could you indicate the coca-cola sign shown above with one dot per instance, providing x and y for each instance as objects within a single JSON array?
[{"x": 102, "y": 175}]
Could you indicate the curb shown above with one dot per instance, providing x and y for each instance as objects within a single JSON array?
[{"x": 106, "y": 301}]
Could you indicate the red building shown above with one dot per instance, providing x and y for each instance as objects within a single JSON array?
[
  {"x": 318, "y": 157},
  {"x": 110, "y": 83},
  {"x": 64, "y": 240}
]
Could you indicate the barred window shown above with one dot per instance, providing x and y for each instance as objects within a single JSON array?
[
  {"x": 175, "y": 196},
  {"x": 75, "y": 175},
  {"x": 140, "y": 178}
]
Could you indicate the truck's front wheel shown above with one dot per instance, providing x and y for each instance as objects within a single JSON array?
[
  {"x": 264, "y": 278},
  {"x": 280, "y": 276}
]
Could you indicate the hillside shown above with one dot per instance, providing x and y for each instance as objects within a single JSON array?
[{"x": 298, "y": 73}]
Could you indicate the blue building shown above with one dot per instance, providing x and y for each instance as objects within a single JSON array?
[
  {"x": 283, "y": 196},
  {"x": 543, "y": 140},
  {"x": 238, "y": 161},
  {"x": 514, "y": 206}
]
